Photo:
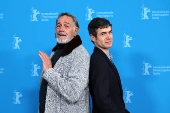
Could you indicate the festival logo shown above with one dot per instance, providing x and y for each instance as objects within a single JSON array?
[
  {"x": 43, "y": 16},
  {"x": 1, "y": 15},
  {"x": 16, "y": 42},
  {"x": 1, "y": 70},
  {"x": 155, "y": 14},
  {"x": 145, "y": 12},
  {"x": 34, "y": 70},
  {"x": 17, "y": 96},
  {"x": 127, "y": 96},
  {"x": 91, "y": 13},
  {"x": 146, "y": 67},
  {"x": 127, "y": 38},
  {"x": 157, "y": 70},
  {"x": 34, "y": 14}
]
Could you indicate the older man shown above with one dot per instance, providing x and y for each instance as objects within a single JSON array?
[{"x": 64, "y": 82}]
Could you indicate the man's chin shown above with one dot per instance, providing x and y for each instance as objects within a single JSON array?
[{"x": 63, "y": 41}]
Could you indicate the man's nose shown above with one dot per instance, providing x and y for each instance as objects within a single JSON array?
[
  {"x": 62, "y": 28},
  {"x": 108, "y": 36}
]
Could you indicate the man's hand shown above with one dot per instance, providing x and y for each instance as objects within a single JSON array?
[{"x": 45, "y": 60}]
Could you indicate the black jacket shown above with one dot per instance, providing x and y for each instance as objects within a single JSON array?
[{"x": 105, "y": 85}]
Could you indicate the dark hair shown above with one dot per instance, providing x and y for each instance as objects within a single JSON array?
[
  {"x": 98, "y": 23},
  {"x": 73, "y": 17}
]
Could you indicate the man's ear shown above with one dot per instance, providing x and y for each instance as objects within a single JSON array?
[
  {"x": 93, "y": 38},
  {"x": 76, "y": 30}
]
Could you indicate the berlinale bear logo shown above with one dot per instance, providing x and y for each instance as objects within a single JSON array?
[
  {"x": 34, "y": 14},
  {"x": 89, "y": 13},
  {"x": 128, "y": 94},
  {"x": 34, "y": 70},
  {"x": 17, "y": 95},
  {"x": 145, "y": 11},
  {"x": 16, "y": 42},
  {"x": 146, "y": 67},
  {"x": 127, "y": 38}
]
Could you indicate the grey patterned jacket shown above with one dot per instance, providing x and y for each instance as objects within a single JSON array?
[{"x": 67, "y": 90}]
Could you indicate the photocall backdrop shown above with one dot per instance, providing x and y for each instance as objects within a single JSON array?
[{"x": 141, "y": 49}]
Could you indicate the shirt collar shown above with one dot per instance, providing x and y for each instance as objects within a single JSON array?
[{"x": 109, "y": 56}]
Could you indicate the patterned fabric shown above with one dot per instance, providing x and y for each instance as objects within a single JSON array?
[
  {"x": 67, "y": 90},
  {"x": 44, "y": 83}
]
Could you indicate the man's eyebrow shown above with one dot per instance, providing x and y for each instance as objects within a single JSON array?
[
  {"x": 64, "y": 22},
  {"x": 103, "y": 32},
  {"x": 67, "y": 22},
  {"x": 106, "y": 32}
]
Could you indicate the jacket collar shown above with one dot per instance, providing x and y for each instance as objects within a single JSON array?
[
  {"x": 75, "y": 42},
  {"x": 96, "y": 49}
]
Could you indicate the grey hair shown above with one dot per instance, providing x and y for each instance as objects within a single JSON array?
[{"x": 73, "y": 17}]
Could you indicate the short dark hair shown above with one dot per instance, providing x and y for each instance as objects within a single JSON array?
[
  {"x": 98, "y": 23},
  {"x": 70, "y": 15}
]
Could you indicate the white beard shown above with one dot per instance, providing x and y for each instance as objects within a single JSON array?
[
  {"x": 61, "y": 41},
  {"x": 64, "y": 41}
]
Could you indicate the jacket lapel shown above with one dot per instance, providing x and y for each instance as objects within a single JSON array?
[
  {"x": 107, "y": 59},
  {"x": 111, "y": 64}
]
